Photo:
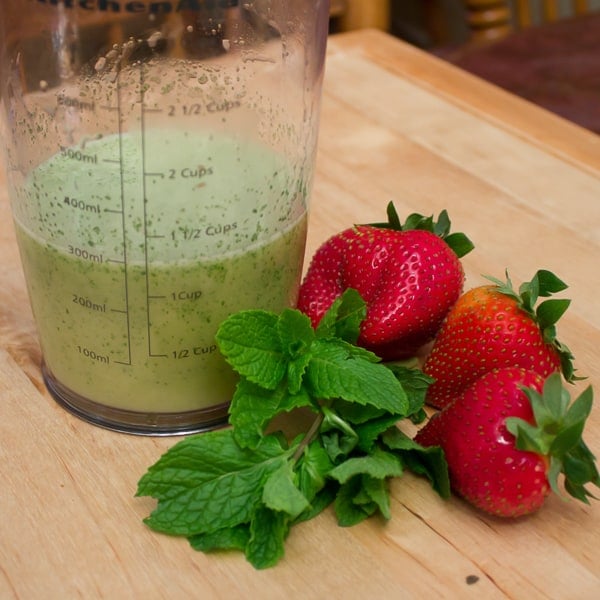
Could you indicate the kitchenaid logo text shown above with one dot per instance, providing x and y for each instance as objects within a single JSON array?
[{"x": 118, "y": 6}]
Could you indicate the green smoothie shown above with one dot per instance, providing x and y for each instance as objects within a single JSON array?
[{"x": 136, "y": 249}]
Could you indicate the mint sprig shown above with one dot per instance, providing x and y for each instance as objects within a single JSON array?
[{"x": 243, "y": 488}]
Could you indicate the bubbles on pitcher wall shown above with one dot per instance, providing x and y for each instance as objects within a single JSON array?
[
  {"x": 154, "y": 39},
  {"x": 100, "y": 64},
  {"x": 215, "y": 91}
]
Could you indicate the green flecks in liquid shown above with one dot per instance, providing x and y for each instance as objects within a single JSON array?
[{"x": 152, "y": 280}]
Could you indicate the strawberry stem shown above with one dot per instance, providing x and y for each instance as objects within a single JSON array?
[
  {"x": 557, "y": 433},
  {"x": 459, "y": 243},
  {"x": 546, "y": 314}
]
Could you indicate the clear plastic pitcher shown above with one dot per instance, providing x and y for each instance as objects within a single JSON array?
[{"x": 159, "y": 158}]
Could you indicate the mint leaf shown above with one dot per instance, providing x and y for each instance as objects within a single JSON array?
[
  {"x": 356, "y": 351},
  {"x": 378, "y": 492},
  {"x": 295, "y": 373},
  {"x": 333, "y": 373},
  {"x": 379, "y": 464},
  {"x": 295, "y": 333},
  {"x": 208, "y": 482},
  {"x": 296, "y": 336},
  {"x": 281, "y": 494},
  {"x": 356, "y": 413},
  {"x": 339, "y": 438},
  {"x": 344, "y": 317},
  {"x": 189, "y": 464},
  {"x": 429, "y": 462},
  {"x": 320, "y": 502},
  {"x": 230, "y": 538},
  {"x": 313, "y": 467},
  {"x": 368, "y": 433},
  {"x": 349, "y": 512},
  {"x": 268, "y": 530},
  {"x": 361, "y": 497},
  {"x": 415, "y": 383},
  {"x": 252, "y": 409},
  {"x": 250, "y": 342},
  {"x": 337, "y": 445}
]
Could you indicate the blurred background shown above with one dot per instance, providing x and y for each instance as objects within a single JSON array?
[
  {"x": 545, "y": 51},
  {"x": 424, "y": 23},
  {"x": 428, "y": 23}
]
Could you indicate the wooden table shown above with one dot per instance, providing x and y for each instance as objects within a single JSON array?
[{"x": 396, "y": 125}]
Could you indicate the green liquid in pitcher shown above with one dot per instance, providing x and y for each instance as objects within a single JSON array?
[{"x": 128, "y": 293}]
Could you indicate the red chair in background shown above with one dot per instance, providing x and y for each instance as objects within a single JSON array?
[{"x": 538, "y": 52}]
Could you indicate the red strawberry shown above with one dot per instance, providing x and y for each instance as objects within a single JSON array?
[
  {"x": 408, "y": 275},
  {"x": 502, "y": 474},
  {"x": 493, "y": 326}
]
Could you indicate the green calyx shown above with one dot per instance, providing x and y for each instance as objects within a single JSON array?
[
  {"x": 546, "y": 314},
  {"x": 557, "y": 434},
  {"x": 459, "y": 243}
]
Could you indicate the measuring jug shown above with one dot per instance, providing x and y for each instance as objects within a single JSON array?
[{"x": 159, "y": 158}]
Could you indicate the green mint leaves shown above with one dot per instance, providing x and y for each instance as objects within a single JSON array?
[{"x": 244, "y": 488}]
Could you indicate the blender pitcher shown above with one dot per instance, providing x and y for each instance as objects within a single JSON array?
[{"x": 159, "y": 159}]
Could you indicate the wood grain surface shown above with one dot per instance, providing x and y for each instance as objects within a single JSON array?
[{"x": 397, "y": 125}]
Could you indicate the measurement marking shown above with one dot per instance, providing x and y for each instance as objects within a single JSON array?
[
  {"x": 152, "y": 355},
  {"x": 116, "y": 261},
  {"x": 111, "y": 108},
  {"x": 123, "y": 224},
  {"x": 152, "y": 297},
  {"x": 79, "y": 156},
  {"x": 156, "y": 237},
  {"x": 113, "y": 210},
  {"x": 93, "y": 355},
  {"x": 146, "y": 174},
  {"x": 152, "y": 110},
  {"x": 118, "y": 310},
  {"x": 111, "y": 160}
]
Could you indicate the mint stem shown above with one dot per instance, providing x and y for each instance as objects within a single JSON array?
[{"x": 310, "y": 435}]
